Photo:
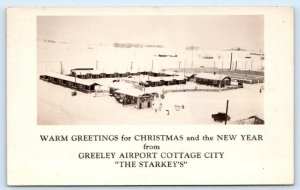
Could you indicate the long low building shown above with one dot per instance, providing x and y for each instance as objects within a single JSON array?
[
  {"x": 89, "y": 74},
  {"x": 95, "y": 74},
  {"x": 71, "y": 82},
  {"x": 213, "y": 79},
  {"x": 148, "y": 81}
]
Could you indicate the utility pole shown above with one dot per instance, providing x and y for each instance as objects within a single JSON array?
[
  {"x": 192, "y": 56},
  {"x": 152, "y": 65},
  {"x": 61, "y": 67},
  {"x": 235, "y": 65},
  {"x": 226, "y": 112},
  {"x": 230, "y": 60},
  {"x": 184, "y": 67},
  {"x": 74, "y": 93},
  {"x": 139, "y": 77}
]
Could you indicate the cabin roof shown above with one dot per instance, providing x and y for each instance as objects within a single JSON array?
[
  {"x": 171, "y": 73},
  {"x": 131, "y": 92},
  {"x": 71, "y": 79},
  {"x": 145, "y": 78},
  {"x": 120, "y": 85},
  {"x": 211, "y": 76}
]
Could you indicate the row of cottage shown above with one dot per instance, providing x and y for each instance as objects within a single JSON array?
[
  {"x": 157, "y": 81},
  {"x": 216, "y": 80},
  {"x": 89, "y": 73},
  {"x": 157, "y": 78},
  {"x": 124, "y": 96},
  {"x": 135, "y": 95},
  {"x": 88, "y": 86}
]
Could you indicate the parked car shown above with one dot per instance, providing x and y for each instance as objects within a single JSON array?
[
  {"x": 240, "y": 85},
  {"x": 220, "y": 117}
]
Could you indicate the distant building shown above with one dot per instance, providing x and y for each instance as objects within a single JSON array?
[
  {"x": 81, "y": 69},
  {"x": 213, "y": 79},
  {"x": 148, "y": 81}
]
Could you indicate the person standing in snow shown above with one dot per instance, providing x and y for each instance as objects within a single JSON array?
[{"x": 168, "y": 112}]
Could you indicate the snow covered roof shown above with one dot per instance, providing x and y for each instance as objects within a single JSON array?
[
  {"x": 71, "y": 79},
  {"x": 179, "y": 77},
  {"x": 172, "y": 78},
  {"x": 120, "y": 85},
  {"x": 171, "y": 73},
  {"x": 211, "y": 76},
  {"x": 145, "y": 78},
  {"x": 131, "y": 92},
  {"x": 187, "y": 74},
  {"x": 154, "y": 79},
  {"x": 182, "y": 74}
]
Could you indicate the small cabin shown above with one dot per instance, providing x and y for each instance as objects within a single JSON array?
[
  {"x": 134, "y": 97},
  {"x": 213, "y": 79}
]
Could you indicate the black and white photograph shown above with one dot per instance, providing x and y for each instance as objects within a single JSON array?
[
  {"x": 153, "y": 69},
  {"x": 150, "y": 96}
]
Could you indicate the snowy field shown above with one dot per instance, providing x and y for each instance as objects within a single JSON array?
[
  {"x": 50, "y": 56},
  {"x": 56, "y": 106}
]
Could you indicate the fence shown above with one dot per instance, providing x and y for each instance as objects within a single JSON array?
[{"x": 203, "y": 90}]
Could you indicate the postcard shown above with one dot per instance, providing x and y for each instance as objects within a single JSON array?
[{"x": 150, "y": 96}]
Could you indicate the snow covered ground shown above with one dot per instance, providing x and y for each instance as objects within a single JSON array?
[
  {"x": 56, "y": 106},
  {"x": 52, "y": 55}
]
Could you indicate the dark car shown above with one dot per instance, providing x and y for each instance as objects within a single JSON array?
[
  {"x": 240, "y": 85},
  {"x": 220, "y": 117}
]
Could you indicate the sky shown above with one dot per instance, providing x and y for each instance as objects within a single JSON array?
[{"x": 208, "y": 32}]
